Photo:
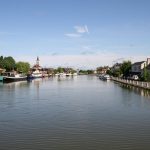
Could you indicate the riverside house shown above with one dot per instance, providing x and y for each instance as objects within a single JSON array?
[
  {"x": 137, "y": 67},
  {"x": 102, "y": 70}
]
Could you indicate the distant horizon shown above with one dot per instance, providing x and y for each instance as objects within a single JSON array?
[{"x": 82, "y": 34}]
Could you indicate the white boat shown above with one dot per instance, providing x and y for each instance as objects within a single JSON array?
[
  {"x": 68, "y": 74},
  {"x": 37, "y": 70},
  {"x": 37, "y": 74},
  {"x": 62, "y": 75},
  {"x": 101, "y": 76},
  {"x": 75, "y": 74},
  {"x": 13, "y": 76},
  {"x": 106, "y": 77}
]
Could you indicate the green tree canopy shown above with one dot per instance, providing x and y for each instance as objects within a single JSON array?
[
  {"x": 22, "y": 67},
  {"x": 1, "y": 62},
  {"x": 8, "y": 63},
  {"x": 60, "y": 69},
  {"x": 125, "y": 68}
]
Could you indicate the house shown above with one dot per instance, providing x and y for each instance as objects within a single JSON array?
[
  {"x": 102, "y": 70},
  {"x": 137, "y": 67}
]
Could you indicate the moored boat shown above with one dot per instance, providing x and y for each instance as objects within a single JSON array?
[
  {"x": 104, "y": 77},
  {"x": 36, "y": 70},
  {"x": 13, "y": 77},
  {"x": 37, "y": 74}
]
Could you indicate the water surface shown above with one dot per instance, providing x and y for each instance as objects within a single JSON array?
[{"x": 80, "y": 113}]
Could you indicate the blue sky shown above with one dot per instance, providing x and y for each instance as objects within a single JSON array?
[{"x": 77, "y": 29}]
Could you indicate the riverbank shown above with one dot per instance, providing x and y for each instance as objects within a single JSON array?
[{"x": 140, "y": 84}]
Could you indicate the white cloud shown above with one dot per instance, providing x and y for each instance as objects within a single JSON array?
[
  {"x": 81, "y": 29},
  {"x": 73, "y": 35}
]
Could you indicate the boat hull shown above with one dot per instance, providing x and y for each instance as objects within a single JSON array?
[
  {"x": 14, "y": 79},
  {"x": 34, "y": 77}
]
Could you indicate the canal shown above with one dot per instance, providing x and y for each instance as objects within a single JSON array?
[{"x": 78, "y": 113}]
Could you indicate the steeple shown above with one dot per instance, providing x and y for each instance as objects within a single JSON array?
[{"x": 37, "y": 61}]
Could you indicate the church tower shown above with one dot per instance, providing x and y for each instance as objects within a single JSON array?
[{"x": 37, "y": 62}]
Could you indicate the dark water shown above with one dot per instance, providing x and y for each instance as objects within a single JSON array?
[{"x": 80, "y": 113}]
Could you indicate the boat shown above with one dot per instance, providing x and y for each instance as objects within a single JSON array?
[
  {"x": 13, "y": 77},
  {"x": 68, "y": 74},
  {"x": 101, "y": 76},
  {"x": 37, "y": 74},
  {"x": 36, "y": 70},
  {"x": 75, "y": 74},
  {"x": 106, "y": 77},
  {"x": 62, "y": 75}
]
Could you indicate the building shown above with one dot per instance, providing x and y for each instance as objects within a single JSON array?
[
  {"x": 102, "y": 70},
  {"x": 37, "y": 65},
  {"x": 137, "y": 67}
]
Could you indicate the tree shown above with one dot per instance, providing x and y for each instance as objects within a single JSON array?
[
  {"x": 1, "y": 62},
  {"x": 23, "y": 67},
  {"x": 117, "y": 73},
  {"x": 90, "y": 72},
  {"x": 60, "y": 69},
  {"x": 109, "y": 72},
  {"x": 9, "y": 63},
  {"x": 125, "y": 68},
  {"x": 146, "y": 75}
]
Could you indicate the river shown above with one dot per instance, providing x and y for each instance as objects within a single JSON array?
[{"x": 74, "y": 113}]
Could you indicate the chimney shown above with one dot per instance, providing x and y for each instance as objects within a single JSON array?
[{"x": 148, "y": 61}]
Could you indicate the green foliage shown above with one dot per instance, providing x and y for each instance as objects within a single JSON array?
[
  {"x": 8, "y": 63},
  {"x": 83, "y": 72},
  {"x": 86, "y": 72},
  {"x": 1, "y": 62},
  {"x": 66, "y": 70},
  {"x": 60, "y": 69},
  {"x": 125, "y": 68},
  {"x": 90, "y": 71},
  {"x": 117, "y": 73},
  {"x": 109, "y": 72},
  {"x": 146, "y": 75},
  {"x": 23, "y": 67}
]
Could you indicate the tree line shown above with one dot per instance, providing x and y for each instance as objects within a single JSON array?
[{"x": 9, "y": 64}]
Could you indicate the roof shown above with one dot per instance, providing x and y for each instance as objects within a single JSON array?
[{"x": 138, "y": 63}]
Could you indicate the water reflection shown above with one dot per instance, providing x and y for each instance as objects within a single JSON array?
[
  {"x": 14, "y": 85},
  {"x": 136, "y": 90}
]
